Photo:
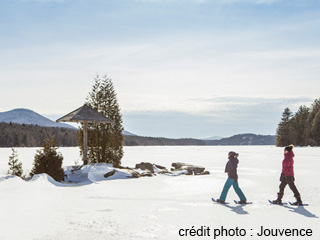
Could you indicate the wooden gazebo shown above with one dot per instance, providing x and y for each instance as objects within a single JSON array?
[{"x": 85, "y": 114}]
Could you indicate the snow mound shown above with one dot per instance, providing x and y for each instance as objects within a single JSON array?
[
  {"x": 45, "y": 178},
  {"x": 156, "y": 169},
  {"x": 11, "y": 179},
  {"x": 94, "y": 173},
  {"x": 97, "y": 171},
  {"x": 177, "y": 173}
]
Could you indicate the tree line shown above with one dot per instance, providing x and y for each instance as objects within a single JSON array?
[
  {"x": 301, "y": 128},
  {"x": 160, "y": 141},
  {"x": 239, "y": 139},
  {"x": 27, "y": 135},
  {"x": 24, "y": 135}
]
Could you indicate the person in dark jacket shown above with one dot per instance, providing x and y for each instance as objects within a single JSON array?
[
  {"x": 231, "y": 169},
  {"x": 287, "y": 177}
]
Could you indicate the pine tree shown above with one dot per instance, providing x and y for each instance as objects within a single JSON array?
[
  {"x": 315, "y": 129},
  {"x": 312, "y": 131},
  {"x": 104, "y": 140},
  {"x": 15, "y": 167},
  {"x": 299, "y": 124},
  {"x": 284, "y": 136},
  {"x": 48, "y": 160}
]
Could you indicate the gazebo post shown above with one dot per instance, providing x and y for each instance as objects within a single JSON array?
[
  {"x": 85, "y": 144},
  {"x": 84, "y": 115}
]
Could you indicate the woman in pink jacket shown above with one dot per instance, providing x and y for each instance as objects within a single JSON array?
[{"x": 287, "y": 176}]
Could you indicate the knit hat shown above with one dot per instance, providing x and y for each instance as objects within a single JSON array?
[
  {"x": 233, "y": 154},
  {"x": 289, "y": 148}
]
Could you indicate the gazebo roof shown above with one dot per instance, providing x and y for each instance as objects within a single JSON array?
[{"x": 85, "y": 114}]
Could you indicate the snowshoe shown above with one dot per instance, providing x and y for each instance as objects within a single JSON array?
[
  {"x": 277, "y": 202},
  {"x": 298, "y": 203},
  {"x": 219, "y": 201},
  {"x": 242, "y": 202}
]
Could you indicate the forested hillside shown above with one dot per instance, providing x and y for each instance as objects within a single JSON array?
[
  {"x": 244, "y": 139},
  {"x": 240, "y": 139},
  {"x": 158, "y": 141},
  {"x": 25, "y": 135}
]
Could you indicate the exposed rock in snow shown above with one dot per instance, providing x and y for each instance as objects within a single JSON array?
[
  {"x": 191, "y": 169},
  {"x": 145, "y": 165}
]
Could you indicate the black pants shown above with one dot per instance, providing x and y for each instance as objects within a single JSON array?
[{"x": 288, "y": 180}]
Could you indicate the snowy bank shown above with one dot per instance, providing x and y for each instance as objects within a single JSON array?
[
  {"x": 101, "y": 171},
  {"x": 159, "y": 207}
]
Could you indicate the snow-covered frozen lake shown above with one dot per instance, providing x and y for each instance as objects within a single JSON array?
[{"x": 162, "y": 206}]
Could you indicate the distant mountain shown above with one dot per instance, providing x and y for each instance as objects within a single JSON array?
[
  {"x": 127, "y": 133},
  {"x": 212, "y": 138},
  {"x": 245, "y": 139},
  {"x": 26, "y": 116}
]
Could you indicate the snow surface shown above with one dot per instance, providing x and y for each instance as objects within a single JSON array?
[{"x": 157, "y": 207}]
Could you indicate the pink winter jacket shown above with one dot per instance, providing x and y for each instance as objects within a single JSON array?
[{"x": 287, "y": 164}]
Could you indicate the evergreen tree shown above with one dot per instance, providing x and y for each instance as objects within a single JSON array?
[
  {"x": 299, "y": 127},
  {"x": 284, "y": 129},
  {"x": 48, "y": 160},
  {"x": 312, "y": 131},
  {"x": 315, "y": 129},
  {"x": 315, "y": 107},
  {"x": 104, "y": 140},
  {"x": 15, "y": 167}
]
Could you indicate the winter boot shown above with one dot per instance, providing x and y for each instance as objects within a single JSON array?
[
  {"x": 299, "y": 201},
  {"x": 220, "y": 201},
  {"x": 242, "y": 202},
  {"x": 278, "y": 200}
]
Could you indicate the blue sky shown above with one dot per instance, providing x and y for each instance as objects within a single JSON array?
[{"x": 181, "y": 68}]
